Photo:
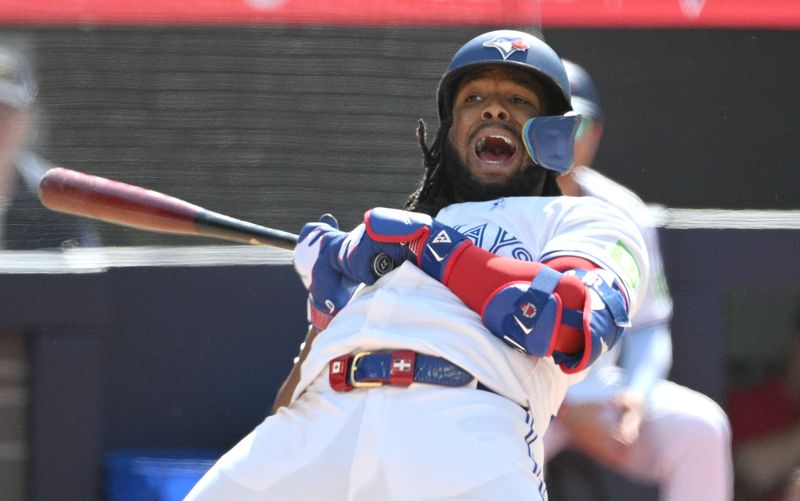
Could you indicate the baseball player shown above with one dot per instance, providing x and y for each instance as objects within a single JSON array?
[
  {"x": 625, "y": 415},
  {"x": 24, "y": 222},
  {"x": 437, "y": 380}
]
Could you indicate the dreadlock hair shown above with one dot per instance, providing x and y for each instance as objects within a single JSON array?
[{"x": 435, "y": 189}]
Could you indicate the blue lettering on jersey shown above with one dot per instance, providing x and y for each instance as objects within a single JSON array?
[
  {"x": 475, "y": 234},
  {"x": 502, "y": 243},
  {"x": 521, "y": 253},
  {"x": 502, "y": 239}
]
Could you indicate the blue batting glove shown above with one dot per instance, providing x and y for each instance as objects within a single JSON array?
[
  {"x": 329, "y": 289},
  {"x": 431, "y": 245},
  {"x": 364, "y": 259},
  {"x": 332, "y": 263}
]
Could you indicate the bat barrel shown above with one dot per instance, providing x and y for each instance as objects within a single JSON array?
[
  {"x": 115, "y": 202},
  {"x": 73, "y": 192}
]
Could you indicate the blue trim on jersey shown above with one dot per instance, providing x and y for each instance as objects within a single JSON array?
[{"x": 537, "y": 469}]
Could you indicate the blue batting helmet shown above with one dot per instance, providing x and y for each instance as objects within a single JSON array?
[{"x": 515, "y": 49}]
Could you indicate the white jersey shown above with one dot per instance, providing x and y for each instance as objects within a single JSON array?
[
  {"x": 655, "y": 303},
  {"x": 406, "y": 309}
]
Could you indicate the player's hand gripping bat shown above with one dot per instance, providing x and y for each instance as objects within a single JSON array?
[{"x": 73, "y": 192}]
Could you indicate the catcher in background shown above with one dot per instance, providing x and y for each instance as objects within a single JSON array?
[
  {"x": 625, "y": 415},
  {"x": 438, "y": 380}
]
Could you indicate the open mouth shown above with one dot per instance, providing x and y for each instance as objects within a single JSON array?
[{"x": 495, "y": 148}]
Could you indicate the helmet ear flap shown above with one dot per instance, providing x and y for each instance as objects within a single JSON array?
[{"x": 550, "y": 140}]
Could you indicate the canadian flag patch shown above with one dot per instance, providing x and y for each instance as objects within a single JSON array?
[{"x": 528, "y": 310}]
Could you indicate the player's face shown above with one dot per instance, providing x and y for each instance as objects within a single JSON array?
[
  {"x": 14, "y": 124},
  {"x": 490, "y": 108}
]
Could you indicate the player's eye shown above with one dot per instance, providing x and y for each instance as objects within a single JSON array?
[
  {"x": 473, "y": 98},
  {"x": 529, "y": 105}
]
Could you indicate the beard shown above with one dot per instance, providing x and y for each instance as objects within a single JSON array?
[{"x": 527, "y": 181}]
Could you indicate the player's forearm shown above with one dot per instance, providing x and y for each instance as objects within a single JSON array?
[
  {"x": 646, "y": 356},
  {"x": 543, "y": 309},
  {"x": 478, "y": 274},
  {"x": 284, "y": 396}
]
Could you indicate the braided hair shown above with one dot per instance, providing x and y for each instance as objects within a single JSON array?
[{"x": 436, "y": 189}]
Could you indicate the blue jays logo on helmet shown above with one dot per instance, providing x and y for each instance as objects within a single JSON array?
[{"x": 507, "y": 46}]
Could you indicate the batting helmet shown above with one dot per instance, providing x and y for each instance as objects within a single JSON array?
[
  {"x": 512, "y": 48},
  {"x": 585, "y": 98}
]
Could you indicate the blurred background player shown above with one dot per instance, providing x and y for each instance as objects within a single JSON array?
[
  {"x": 765, "y": 418},
  {"x": 625, "y": 415},
  {"x": 24, "y": 222}
]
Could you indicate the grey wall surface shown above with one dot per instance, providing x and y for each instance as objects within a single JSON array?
[{"x": 278, "y": 125}]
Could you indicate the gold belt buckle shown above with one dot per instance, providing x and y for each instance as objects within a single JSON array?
[{"x": 354, "y": 366}]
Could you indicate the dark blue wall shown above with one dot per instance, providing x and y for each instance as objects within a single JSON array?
[
  {"x": 193, "y": 355},
  {"x": 148, "y": 357}
]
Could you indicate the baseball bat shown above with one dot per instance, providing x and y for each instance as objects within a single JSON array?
[{"x": 74, "y": 192}]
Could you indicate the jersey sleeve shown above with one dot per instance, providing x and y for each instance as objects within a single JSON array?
[
  {"x": 591, "y": 229},
  {"x": 656, "y": 302}
]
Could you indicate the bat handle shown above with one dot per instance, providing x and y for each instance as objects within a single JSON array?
[{"x": 381, "y": 265}]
